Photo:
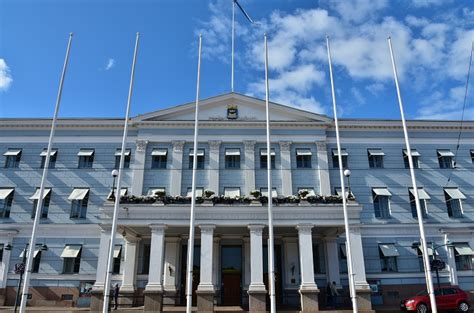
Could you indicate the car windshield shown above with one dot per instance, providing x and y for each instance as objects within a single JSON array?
[{"x": 422, "y": 293}]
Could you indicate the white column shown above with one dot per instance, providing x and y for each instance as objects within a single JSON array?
[
  {"x": 6, "y": 239},
  {"x": 285, "y": 160},
  {"x": 139, "y": 167},
  {"x": 305, "y": 241},
  {"x": 292, "y": 265},
  {"x": 249, "y": 166},
  {"x": 332, "y": 260},
  {"x": 323, "y": 169},
  {"x": 102, "y": 259},
  {"x": 155, "y": 275},
  {"x": 216, "y": 263},
  {"x": 171, "y": 263},
  {"x": 214, "y": 147},
  {"x": 247, "y": 259},
  {"x": 358, "y": 263},
  {"x": 176, "y": 168},
  {"x": 130, "y": 263},
  {"x": 451, "y": 264},
  {"x": 207, "y": 247},
  {"x": 256, "y": 258}
]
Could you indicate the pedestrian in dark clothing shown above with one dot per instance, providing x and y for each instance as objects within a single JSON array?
[
  {"x": 329, "y": 302},
  {"x": 334, "y": 293},
  {"x": 116, "y": 294}
]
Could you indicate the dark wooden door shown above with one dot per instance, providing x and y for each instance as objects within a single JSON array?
[
  {"x": 196, "y": 270},
  {"x": 231, "y": 275},
  {"x": 231, "y": 288}
]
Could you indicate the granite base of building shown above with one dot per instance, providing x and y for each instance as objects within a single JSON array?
[
  {"x": 309, "y": 300},
  {"x": 363, "y": 300},
  {"x": 205, "y": 301},
  {"x": 257, "y": 301},
  {"x": 153, "y": 301},
  {"x": 97, "y": 301}
]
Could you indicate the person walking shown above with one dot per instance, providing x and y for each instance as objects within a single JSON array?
[
  {"x": 334, "y": 294},
  {"x": 116, "y": 295}
]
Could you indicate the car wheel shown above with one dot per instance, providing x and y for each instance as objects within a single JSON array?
[
  {"x": 421, "y": 308},
  {"x": 463, "y": 307}
]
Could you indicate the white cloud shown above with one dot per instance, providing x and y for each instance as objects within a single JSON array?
[
  {"x": 358, "y": 10},
  {"x": 440, "y": 106},
  {"x": 110, "y": 64},
  {"x": 427, "y": 3},
  {"x": 459, "y": 53},
  {"x": 5, "y": 76}
]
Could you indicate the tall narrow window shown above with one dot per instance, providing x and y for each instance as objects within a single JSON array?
[
  {"x": 263, "y": 158},
  {"x": 159, "y": 158},
  {"x": 146, "y": 259},
  {"x": 232, "y": 192},
  {"x": 445, "y": 158},
  {"x": 453, "y": 198},
  {"x": 2, "y": 246},
  {"x": 381, "y": 197},
  {"x": 86, "y": 158},
  {"x": 12, "y": 158},
  {"x": 264, "y": 192},
  {"x": 46, "y": 199},
  {"x": 79, "y": 198},
  {"x": 199, "y": 192},
  {"x": 232, "y": 158},
  {"x": 36, "y": 258},
  {"x": 375, "y": 158},
  {"x": 419, "y": 251},
  {"x": 415, "y": 156},
  {"x": 335, "y": 158},
  {"x": 200, "y": 159},
  {"x": 117, "y": 259},
  {"x": 113, "y": 193},
  {"x": 388, "y": 257},
  {"x": 423, "y": 196},
  {"x": 52, "y": 158},
  {"x": 127, "y": 157},
  {"x": 472, "y": 156},
  {"x": 463, "y": 255},
  {"x": 303, "y": 158},
  {"x": 6, "y": 199},
  {"x": 71, "y": 259}
]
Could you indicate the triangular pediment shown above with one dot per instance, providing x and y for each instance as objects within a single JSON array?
[{"x": 232, "y": 107}]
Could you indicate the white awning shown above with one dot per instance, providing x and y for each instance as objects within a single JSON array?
[
  {"x": 430, "y": 251},
  {"x": 78, "y": 194},
  {"x": 343, "y": 152},
  {"x": 343, "y": 250},
  {"x": 232, "y": 151},
  {"x": 199, "y": 192},
  {"x": 37, "y": 250},
  {"x": 117, "y": 250},
  {"x": 154, "y": 191},
  {"x": 339, "y": 192},
  {"x": 264, "y": 152},
  {"x": 159, "y": 152},
  {"x": 5, "y": 193},
  {"x": 199, "y": 152},
  {"x": 309, "y": 190},
  {"x": 123, "y": 192},
  {"x": 85, "y": 152},
  {"x": 381, "y": 192},
  {"x": 52, "y": 153},
  {"x": 71, "y": 251},
  {"x": 472, "y": 153},
  {"x": 264, "y": 192},
  {"x": 232, "y": 192},
  {"x": 445, "y": 153},
  {"x": 389, "y": 250},
  {"x": 375, "y": 152},
  {"x": 118, "y": 152},
  {"x": 422, "y": 194},
  {"x": 35, "y": 196},
  {"x": 463, "y": 249},
  {"x": 454, "y": 193},
  {"x": 12, "y": 152},
  {"x": 303, "y": 152},
  {"x": 413, "y": 152}
]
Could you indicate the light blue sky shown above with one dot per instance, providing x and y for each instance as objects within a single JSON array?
[{"x": 432, "y": 42}]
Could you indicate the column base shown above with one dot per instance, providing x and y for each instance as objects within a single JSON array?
[
  {"x": 309, "y": 300},
  {"x": 126, "y": 298},
  {"x": 169, "y": 296},
  {"x": 97, "y": 301},
  {"x": 257, "y": 301},
  {"x": 363, "y": 300},
  {"x": 153, "y": 301},
  {"x": 205, "y": 301}
]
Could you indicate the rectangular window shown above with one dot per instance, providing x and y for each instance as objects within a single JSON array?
[
  {"x": 335, "y": 158},
  {"x": 232, "y": 158},
  {"x": 415, "y": 156},
  {"x": 388, "y": 257},
  {"x": 117, "y": 259},
  {"x": 423, "y": 196},
  {"x": 36, "y": 257},
  {"x": 445, "y": 158},
  {"x": 472, "y": 156},
  {"x": 146, "y": 259},
  {"x": 6, "y": 199},
  {"x": 318, "y": 269},
  {"x": 454, "y": 199},
  {"x": 12, "y": 158},
  {"x": 463, "y": 255},
  {"x": 419, "y": 251},
  {"x": 127, "y": 157},
  {"x": 86, "y": 158},
  {"x": 46, "y": 200},
  {"x": 200, "y": 159},
  {"x": 79, "y": 198},
  {"x": 113, "y": 193},
  {"x": 309, "y": 190},
  {"x": 381, "y": 197},
  {"x": 154, "y": 191},
  {"x": 199, "y": 192},
  {"x": 2, "y": 246},
  {"x": 52, "y": 158},
  {"x": 264, "y": 192},
  {"x": 375, "y": 158},
  {"x": 72, "y": 259},
  {"x": 263, "y": 158},
  {"x": 159, "y": 158},
  {"x": 232, "y": 192},
  {"x": 303, "y": 158}
]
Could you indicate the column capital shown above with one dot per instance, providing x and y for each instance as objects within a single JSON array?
[
  {"x": 158, "y": 228},
  {"x": 214, "y": 145},
  {"x": 321, "y": 145},
  {"x": 249, "y": 145},
  {"x": 130, "y": 238},
  {"x": 304, "y": 228},
  {"x": 285, "y": 146},
  {"x": 207, "y": 228},
  {"x": 141, "y": 145},
  {"x": 178, "y": 145},
  {"x": 256, "y": 228}
]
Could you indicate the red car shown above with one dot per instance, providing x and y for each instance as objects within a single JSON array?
[{"x": 447, "y": 298}]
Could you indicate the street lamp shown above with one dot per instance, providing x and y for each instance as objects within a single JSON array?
[
  {"x": 114, "y": 175},
  {"x": 347, "y": 173},
  {"x": 434, "y": 264}
]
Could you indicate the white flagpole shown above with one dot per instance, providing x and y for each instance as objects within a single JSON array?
[
  {"x": 426, "y": 261},
  {"x": 189, "y": 277},
  {"x": 233, "y": 36},
  {"x": 271, "y": 266},
  {"x": 39, "y": 205},
  {"x": 351, "y": 274},
  {"x": 108, "y": 275}
]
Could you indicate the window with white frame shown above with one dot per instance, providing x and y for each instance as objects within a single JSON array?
[
  {"x": 79, "y": 198},
  {"x": 388, "y": 257},
  {"x": 127, "y": 157},
  {"x": 463, "y": 255},
  {"x": 264, "y": 192},
  {"x": 46, "y": 200},
  {"x": 117, "y": 259},
  {"x": 200, "y": 159},
  {"x": 454, "y": 199},
  {"x": 232, "y": 158},
  {"x": 381, "y": 198},
  {"x": 348, "y": 193},
  {"x": 52, "y": 157},
  {"x": 445, "y": 158},
  {"x": 423, "y": 196},
  {"x": 6, "y": 199},
  {"x": 159, "y": 158},
  {"x": 71, "y": 256},
  {"x": 199, "y": 192},
  {"x": 36, "y": 258},
  {"x": 232, "y": 192},
  {"x": 12, "y": 158},
  {"x": 375, "y": 158},
  {"x": 303, "y": 158},
  {"x": 113, "y": 193},
  {"x": 264, "y": 158},
  {"x": 419, "y": 251},
  {"x": 309, "y": 190},
  {"x": 335, "y": 158},
  {"x": 415, "y": 156},
  {"x": 86, "y": 158},
  {"x": 154, "y": 191}
]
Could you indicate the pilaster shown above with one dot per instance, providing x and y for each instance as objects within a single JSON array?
[
  {"x": 205, "y": 290},
  {"x": 285, "y": 157},
  {"x": 171, "y": 266},
  {"x": 332, "y": 261},
  {"x": 176, "y": 167},
  {"x": 139, "y": 167},
  {"x": 257, "y": 291},
  {"x": 358, "y": 265},
  {"x": 214, "y": 148},
  {"x": 308, "y": 288},
  {"x": 154, "y": 289},
  {"x": 323, "y": 169},
  {"x": 130, "y": 264},
  {"x": 249, "y": 166}
]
